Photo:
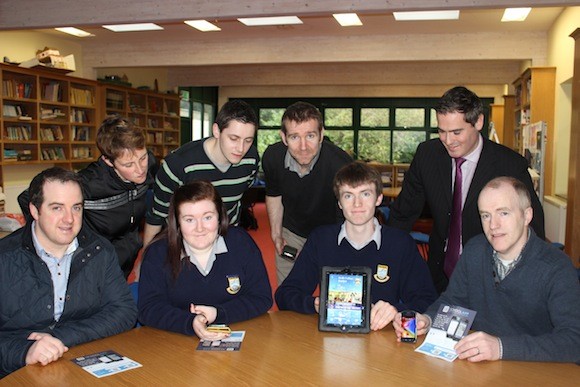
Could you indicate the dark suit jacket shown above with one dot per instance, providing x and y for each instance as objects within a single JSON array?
[{"x": 429, "y": 181}]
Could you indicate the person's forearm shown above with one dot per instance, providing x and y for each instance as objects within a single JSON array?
[
  {"x": 149, "y": 233},
  {"x": 275, "y": 211}
]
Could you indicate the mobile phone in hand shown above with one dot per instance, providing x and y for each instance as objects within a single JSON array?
[
  {"x": 409, "y": 324},
  {"x": 289, "y": 253}
]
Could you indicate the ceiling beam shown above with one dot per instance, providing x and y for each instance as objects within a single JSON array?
[{"x": 33, "y": 14}]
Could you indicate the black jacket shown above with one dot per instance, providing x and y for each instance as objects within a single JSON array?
[
  {"x": 98, "y": 302},
  {"x": 113, "y": 208}
]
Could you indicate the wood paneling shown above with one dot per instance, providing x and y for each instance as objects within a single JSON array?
[{"x": 572, "y": 245}]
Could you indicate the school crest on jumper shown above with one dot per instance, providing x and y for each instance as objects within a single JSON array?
[
  {"x": 382, "y": 274},
  {"x": 234, "y": 284}
]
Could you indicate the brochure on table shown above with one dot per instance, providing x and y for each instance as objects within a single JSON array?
[
  {"x": 450, "y": 325},
  {"x": 105, "y": 363},
  {"x": 231, "y": 343}
]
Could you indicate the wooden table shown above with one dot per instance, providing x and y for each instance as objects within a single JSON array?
[{"x": 286, "y": 348}]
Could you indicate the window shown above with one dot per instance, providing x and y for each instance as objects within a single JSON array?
[{"x": 386, "y": 130}]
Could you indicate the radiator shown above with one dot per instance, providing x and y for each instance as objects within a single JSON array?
[{"x": 555, "y": 218}]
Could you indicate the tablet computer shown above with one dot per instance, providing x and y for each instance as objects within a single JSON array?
[{"x": 345, "y": 299}]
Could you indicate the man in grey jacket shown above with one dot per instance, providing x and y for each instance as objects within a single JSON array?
[
  {"x": 60, "y": 283},
  {"x": 525, "y": 291}
]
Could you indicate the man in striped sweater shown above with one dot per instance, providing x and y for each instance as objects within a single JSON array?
[{"x": 228, "y": 160}]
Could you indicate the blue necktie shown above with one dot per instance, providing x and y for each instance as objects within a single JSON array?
[{"x": 454, "y": 236}]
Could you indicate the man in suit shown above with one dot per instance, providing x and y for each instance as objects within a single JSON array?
[{"x": 460, "y": 150}]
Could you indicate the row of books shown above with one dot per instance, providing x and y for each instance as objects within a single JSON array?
[
  {"x": 52, "y": 133},
  {"x": 82, "y": 152},
  {"x": 18, "y": 133},
  {"x": 20, "y": 154},
  {"x": 50, "y": 113},
  {"x": 155, "y": 138},
  {"x": 81, "y": 96},
  {"x": 114, "y": 101},
  {"x": 79, "y": 115},
  {"x": 13, "y": 88},
  {"x": 81, "y": 133},
  {"x": 152, "y": 123},
  {"x": 51, "y": 91},
  {"x": 13, "y": 110},
  {"x": 56, "y": 153}
]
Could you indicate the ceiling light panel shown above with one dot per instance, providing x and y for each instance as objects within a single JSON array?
[
  {"x": 426, "y": 15},
  {"x": 270, "y": 21},
  {"x": 74, "y": 31},
  {"x": 515, "y": 14},
  {"x": 347, "y": 19},
  {"x": 133, "y": 27},
  {"x": 202, "y": 25}
]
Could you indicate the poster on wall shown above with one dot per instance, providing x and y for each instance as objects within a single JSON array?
[{"x": 534, "y": 145}]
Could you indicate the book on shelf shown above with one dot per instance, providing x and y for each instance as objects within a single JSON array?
[
  {"x": 24, "y": 155},
  {"x": 15, "y": 111},
  {"x": 81, "y": 133},
  {"x": 152, "y": 123},
  {"x": 153, "y": 108},
  {"x": 79, "y": 115},
  {"x": 18, "y": 133},
  {"x": 51, "y": 133},
  {"x": 56, "y": 153},
  {"x": 52, "y": 91},
  {"x": 20, "y": 155},
  {"x": 10, "y": 154},
  {"x": 114, "y": 100},
  {"x": 13, "y": 88},
  {"x": 82, "y": 96},
  {"x": 81, "y": 152},
  {"x": 50, "y": 113}
]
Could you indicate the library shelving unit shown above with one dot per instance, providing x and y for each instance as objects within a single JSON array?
[
  {"x": 47, "y": 118},
  {"x": 156, "y": 113},
  {"x": 535, "y": 101}
]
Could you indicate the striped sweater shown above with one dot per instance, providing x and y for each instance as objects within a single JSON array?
[{"x": 190, "y": 162}]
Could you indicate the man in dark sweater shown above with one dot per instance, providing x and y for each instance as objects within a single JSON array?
[
  {"x": 299, "y": 172},
  {"x": 525, "y": 291},
  {"x": 401, "y": 278}
]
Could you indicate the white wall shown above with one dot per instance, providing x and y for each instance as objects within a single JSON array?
[{"x": 20, "y": 46}]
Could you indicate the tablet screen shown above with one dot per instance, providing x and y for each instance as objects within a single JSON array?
[
  {"x": 345, "y": 299},
  {"x": 345, "y": 292}
]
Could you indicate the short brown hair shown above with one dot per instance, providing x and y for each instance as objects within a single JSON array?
[
  {"x": 301, "y": 112},
  {"x": 36, "y": 188},
  {"x": 117, "y": 134},
  {"x": 356, "y": 174}
]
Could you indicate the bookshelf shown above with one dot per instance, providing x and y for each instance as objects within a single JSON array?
[
  {"x": 42, "y": 114},
  {"x": 535, "y": 101},
  {"x": 156, "y": 113}
]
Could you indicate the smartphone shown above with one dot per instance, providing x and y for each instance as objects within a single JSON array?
[
  {"x": 289, "y": 253},
  {"x": 460, "y": 332},
  {"x": 409, "y": 324},
  {"x": 452, "y": 327}
]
